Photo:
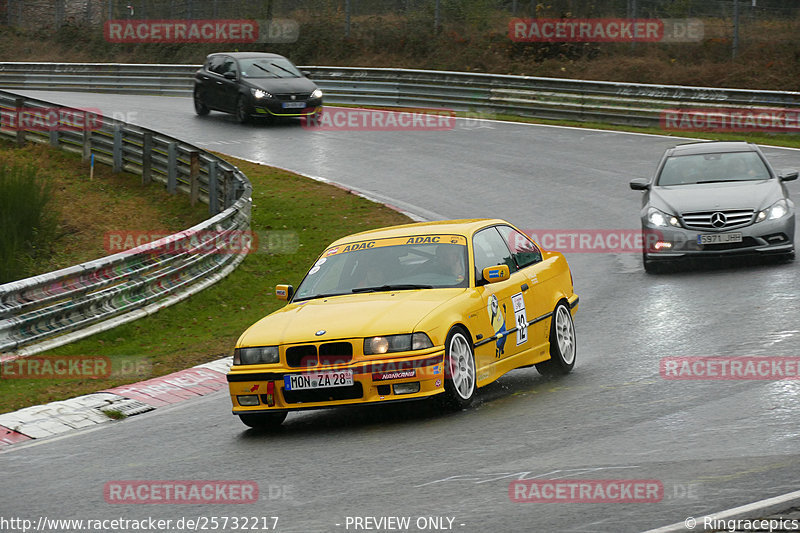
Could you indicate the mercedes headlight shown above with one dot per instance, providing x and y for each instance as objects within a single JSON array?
[
  {"x": 258, "y": 94},
  {"x": 255, "y": 356},
  {"x": 662, "y": 219},
  {"x": 396, "y": 343},
  {"x": 317, "y": 93},
  {"x": 773, "y": 212}
]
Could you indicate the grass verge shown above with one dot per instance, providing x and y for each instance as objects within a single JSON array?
[{"x": 206, "y": 326}]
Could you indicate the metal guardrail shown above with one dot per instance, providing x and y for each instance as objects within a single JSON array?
[
  {"x": 550, "y": 98},
  {"x": 51, "y": 309}
]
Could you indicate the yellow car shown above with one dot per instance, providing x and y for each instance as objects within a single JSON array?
[{"x": 405, "y": 313}]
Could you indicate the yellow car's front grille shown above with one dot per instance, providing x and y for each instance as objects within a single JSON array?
[{"x": 324, "y": 354}]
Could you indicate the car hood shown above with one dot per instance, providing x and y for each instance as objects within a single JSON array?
[
  {"x": 283, "y": 85},
  {"x": 347, "y": 316},
  {"x": 678, "y": 199}
]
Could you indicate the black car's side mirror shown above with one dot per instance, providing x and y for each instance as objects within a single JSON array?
[
  {"x": 640, "y": 184},
  {"x": 229, "y": 75},
  {"x": 788, "y": 175}
]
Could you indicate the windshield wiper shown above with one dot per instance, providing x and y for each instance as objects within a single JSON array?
[
  {"x": 724, "y": 181},
  {"x": 397, "y": 287},
  {"x": 314, "y": 296}
]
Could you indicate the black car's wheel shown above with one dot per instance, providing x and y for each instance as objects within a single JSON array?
[
  {"x": 562, "y": 344},
  {"x": 263, "y": 420},
  {"x": 459, "y": 383},
  {"x": 242, "y": 113},
  {"x": 199, "y": 107}
]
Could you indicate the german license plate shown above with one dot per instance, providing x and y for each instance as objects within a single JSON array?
[
  {"x": 318, "y": 380},
  {"x": 719, "y": 238},
  {"x": 294, "y": 105}
]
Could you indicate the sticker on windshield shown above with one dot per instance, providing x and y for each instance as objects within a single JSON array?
[
  {"x": 313, "y": 270},
  {"x": 396, "y": 241}
]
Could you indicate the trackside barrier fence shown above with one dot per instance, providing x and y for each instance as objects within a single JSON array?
[
  {"x": 51, "y": 309},
  {"x": 548, "y": 98}
]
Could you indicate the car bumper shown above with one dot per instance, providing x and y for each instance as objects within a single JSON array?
[
  {"x": 277, "y": 108},
  {"x": 763, "y": 238},
  {"x": 373, "y": 382}
]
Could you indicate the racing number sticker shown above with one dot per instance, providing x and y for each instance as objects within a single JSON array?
[{"x": 520, "y": 318}]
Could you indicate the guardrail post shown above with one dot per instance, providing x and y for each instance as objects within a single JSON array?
[
  {"x": 147, "y": 158},
  {"x": 87, "y": 137},
  {"x": 194, "y": 176},
  {"x": 19, "y": 105},
  {"x": 53, "y": 134},
  {"x": 172, "y": 167},
  {"x": 117, "y": 148},
  {"x": 213, "y": 202},
  {"x": 227, "y": 188}
]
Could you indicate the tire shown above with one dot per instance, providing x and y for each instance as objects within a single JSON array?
[
  {"x": 460, "y": 374},
  {"x": 199, "y": 107},
  {"x": 242, "y": 115},
  {"x": 562, "y": 344},
  {"x": 263, "y": 420}
]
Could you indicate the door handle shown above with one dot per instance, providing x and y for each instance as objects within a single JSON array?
[{"x": 524, "y": 287}]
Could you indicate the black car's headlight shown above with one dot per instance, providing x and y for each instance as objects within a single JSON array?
[
  {"x": 255, "y": 356},
  {"x": 659, "y": 218},
  {"x": 258, "y": 94},
  {"x": 777, "y": 210},
  {"x": 317, "y": 93},
  {"x": 396, "y": 343}
]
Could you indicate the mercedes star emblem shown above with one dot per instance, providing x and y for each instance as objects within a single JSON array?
[{"x": 718, "y": 220}]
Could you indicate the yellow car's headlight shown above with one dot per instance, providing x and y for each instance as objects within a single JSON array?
[
  {"x": 396, "y": 343},
  {"x": 256, "y": 355}
]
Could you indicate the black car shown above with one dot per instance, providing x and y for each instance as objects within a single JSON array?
[{"x": 254, "y": 84}]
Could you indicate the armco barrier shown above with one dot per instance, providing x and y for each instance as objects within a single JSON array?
[
  {"x": 553, "y": 98},
  {"x": 58, "y": 307}
]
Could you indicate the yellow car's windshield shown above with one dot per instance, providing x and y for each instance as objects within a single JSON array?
[{"x": 388, "y": 264}]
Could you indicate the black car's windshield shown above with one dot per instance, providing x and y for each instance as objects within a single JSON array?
[
  {"x": 712, "y": 168},
  {"x": 404, "y": 263},
  {"x": 261, "y": 67}
]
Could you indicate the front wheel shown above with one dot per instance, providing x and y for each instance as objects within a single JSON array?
[
  {"x": 562, "y": 344},
  {"x": 263, "y": 420},
  {"x": 199, "y": 107},
  {"x": 459, "y": 384},
  {"x": 242, "y": 113}
]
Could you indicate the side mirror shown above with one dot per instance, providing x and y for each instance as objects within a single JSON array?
[
  {"x": 306, "y": 73},
  {"x": 788, "y": 175},
  {"x": 230, "y": 75},
  {"x": 497, "y": 273},
  {"x": 640, "y": 184},
  {"x": 284, "y": 292}
]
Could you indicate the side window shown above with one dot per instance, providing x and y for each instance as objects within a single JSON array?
[
  {"x": 229, "y": 65},
  {"x": 490, "y": 250},
  {"x": 215, "y": 64},
  {"x": 523, "y": 250}
]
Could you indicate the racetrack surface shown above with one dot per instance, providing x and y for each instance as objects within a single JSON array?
[{"x": 713, "y": 444}]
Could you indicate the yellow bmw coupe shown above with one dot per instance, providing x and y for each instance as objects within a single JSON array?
[{"x": 404, "y": 313}]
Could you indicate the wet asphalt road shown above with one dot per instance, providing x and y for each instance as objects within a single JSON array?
[{"x": 712, "y": 444}]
